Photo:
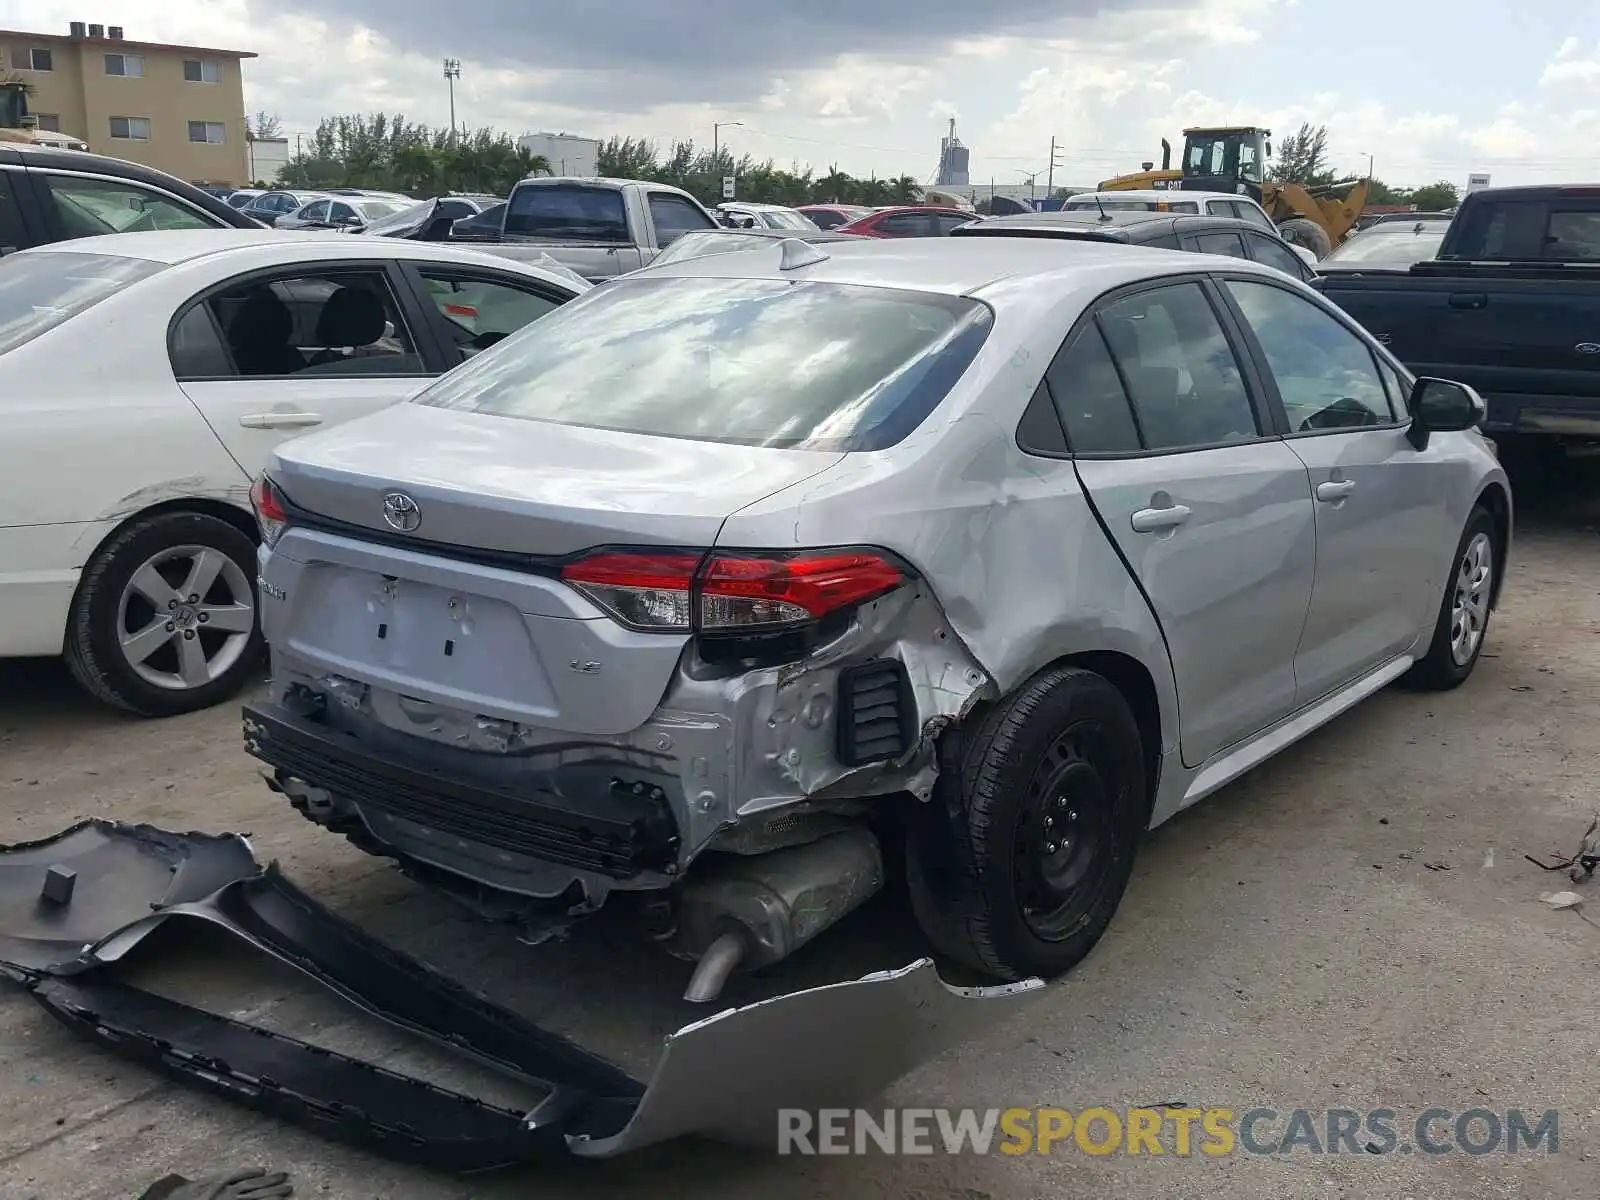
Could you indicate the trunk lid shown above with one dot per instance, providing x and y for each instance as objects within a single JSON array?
[
  {"x": 419, "y": 616},
  {"x": 530, "y": 487}
]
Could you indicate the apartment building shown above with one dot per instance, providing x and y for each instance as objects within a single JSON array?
[{"x": 177, "y": 108}]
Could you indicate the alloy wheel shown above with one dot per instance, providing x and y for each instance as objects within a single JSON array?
[
  {"x": 185, "y": 617},
  {"x": 1469, "y": 608}
]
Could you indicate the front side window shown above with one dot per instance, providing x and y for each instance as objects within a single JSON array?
[
  {"x": 1179, "y": 369},
  {"x": 756, "y": 362},
  {"x": 89, "y": 207},
  {"x": 128, "y": 65},
  {"x": 130, "y": 129},
  {"x": 314, "y": 212},
  {"x": 674, "y": 216},
  {"x": 40, "y": 291},
  {"x": 590, "y": 214},
  {"x": 314, "y": 324},
  {"x": 339, "y": 211},
  {"x": 214, "y": 132},
  {"x": 480, "y": 312},
  {"x": 1326, "y": 375}
]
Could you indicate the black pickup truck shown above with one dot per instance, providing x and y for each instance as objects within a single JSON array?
[{"x": 1511, "y": 305}]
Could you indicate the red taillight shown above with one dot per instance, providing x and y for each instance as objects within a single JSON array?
[
  {"x": 729, "y": 593},
  {"x": 270, "y": 513}
]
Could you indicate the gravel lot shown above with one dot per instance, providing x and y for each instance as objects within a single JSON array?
[{"x": 1289, "y": 944}]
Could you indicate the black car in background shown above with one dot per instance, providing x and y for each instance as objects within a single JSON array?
[
  {"x": 50, "y": 195},
  {"x": 1230, "y": 236}
]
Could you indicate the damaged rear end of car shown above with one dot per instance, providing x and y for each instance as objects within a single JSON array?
[{"x": 519, "y": 646}]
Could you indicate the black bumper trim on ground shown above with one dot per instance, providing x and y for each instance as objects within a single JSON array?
[
  {"x": 612, "y": 831},
  {"x": 271, "y": 913},
  {"x": 321, "y": 1090}
]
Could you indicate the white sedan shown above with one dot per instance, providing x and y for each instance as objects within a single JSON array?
[{"x": 145, "y": 377}]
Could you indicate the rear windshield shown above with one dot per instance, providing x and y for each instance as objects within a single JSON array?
[
  {"x": 1564, "y": 229},
  {"x": 1390, "y": 246},
  {"x": 757, "y": 362},
  {"x": 583, "y": 214},
  {"x": 40, "y": 291}
]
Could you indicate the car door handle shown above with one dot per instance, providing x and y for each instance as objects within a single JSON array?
[
  {"x": 280, "y": 420},
  {"x": 1469, "y": 300},
  {"x": 1335, "y": 490},
  {"x": 1154, "y": 520}
]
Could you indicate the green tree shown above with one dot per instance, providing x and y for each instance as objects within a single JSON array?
[
  {"x": 1303, "y": 158},
  {"x": 1436, "y": 196}
]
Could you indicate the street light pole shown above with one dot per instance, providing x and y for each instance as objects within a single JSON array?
[
  {"x": 452, "y": 72},
  {"x": 716, "y": 131}
]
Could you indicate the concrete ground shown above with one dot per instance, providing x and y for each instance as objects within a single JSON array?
[{"x": 1351, "y": 926}]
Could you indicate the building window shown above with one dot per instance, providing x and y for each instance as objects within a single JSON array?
[
  {"x": 36, "y": 58},
  {"x": 201, "y": 70},
  {"x": 50, "y": 122},
  {"x": 214, "y": 132},
  {"x": 129, "y": 65},
  {"x": 130, "y": 129}
]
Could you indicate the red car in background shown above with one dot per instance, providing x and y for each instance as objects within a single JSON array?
[
  {"x": 831, "y": 216},
  {"x": 909, "y": 221}
]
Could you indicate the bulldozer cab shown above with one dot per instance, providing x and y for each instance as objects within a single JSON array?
[{"x": 1226, "y": 160}]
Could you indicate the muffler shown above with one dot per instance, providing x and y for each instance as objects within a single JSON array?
[{"x": 748, "y": 912}]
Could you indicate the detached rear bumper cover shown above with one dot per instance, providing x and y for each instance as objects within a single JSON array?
[{"x": 724, "y": 1077}]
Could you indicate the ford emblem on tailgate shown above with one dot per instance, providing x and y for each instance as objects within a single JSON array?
[
  {"x": 401, "y": 512},
  {"x": 1587, "y": 347}
]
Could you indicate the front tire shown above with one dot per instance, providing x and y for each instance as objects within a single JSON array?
[
  {"x": 1463, "y": 621},
  {"x": 164, "y": 621},
  {"x": 1026, "y": 850}
]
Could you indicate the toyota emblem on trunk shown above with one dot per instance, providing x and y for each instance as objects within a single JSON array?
[{"x": 401, "y": 512}]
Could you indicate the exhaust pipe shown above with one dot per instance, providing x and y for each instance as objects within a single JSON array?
[
  {"x": 1166, "y": 155},
  {"x": 749, "y": 912}
]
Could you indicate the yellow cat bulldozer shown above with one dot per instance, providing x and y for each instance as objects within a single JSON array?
[{"x": 1234, "y": 159}]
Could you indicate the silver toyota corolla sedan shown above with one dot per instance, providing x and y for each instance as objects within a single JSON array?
[{"x": 697, "y": 592}]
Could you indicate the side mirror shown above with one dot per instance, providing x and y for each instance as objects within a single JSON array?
[{"x": 1443, "y": 406}]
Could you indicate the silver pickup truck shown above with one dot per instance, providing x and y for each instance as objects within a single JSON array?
[{"x": 599, "y": 228}]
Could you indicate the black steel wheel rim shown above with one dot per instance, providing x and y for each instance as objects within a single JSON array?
[{"x": 1065, "y": 846}]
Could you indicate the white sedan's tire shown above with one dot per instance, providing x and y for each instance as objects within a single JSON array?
[{"x": 164, "y": 621}]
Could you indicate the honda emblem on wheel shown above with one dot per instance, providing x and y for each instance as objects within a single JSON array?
[{"x": 401, "y": 512}]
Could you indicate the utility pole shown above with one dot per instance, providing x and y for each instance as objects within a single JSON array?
[
  {"x": 452, "y": 72},
  {"x": 1050, "y": 179}
]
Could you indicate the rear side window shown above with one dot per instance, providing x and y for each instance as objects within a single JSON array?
[
  {"x": 588, "y": 214},
  {"x": 1090, "y": 397},
  {"x": 1274, "y": 254},
  {"x": 1219, "y": 243},
  {"x": 13, "y": 234},
  {"x": 40, "y": 291},
  {"x": 757, "y": 362}
]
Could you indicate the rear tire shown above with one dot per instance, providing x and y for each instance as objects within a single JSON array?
[
  {"x": 164, "y": 621},
  {"x": 1017, "y": 865},
  {"x": 1307, "y": 233},
  {"x": 1463, "y": 622}
]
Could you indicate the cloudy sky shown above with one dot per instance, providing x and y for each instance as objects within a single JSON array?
[{"x": 1430, "y": 88}]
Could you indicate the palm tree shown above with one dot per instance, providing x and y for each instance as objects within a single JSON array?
[{"x": 906, "y": 190}]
